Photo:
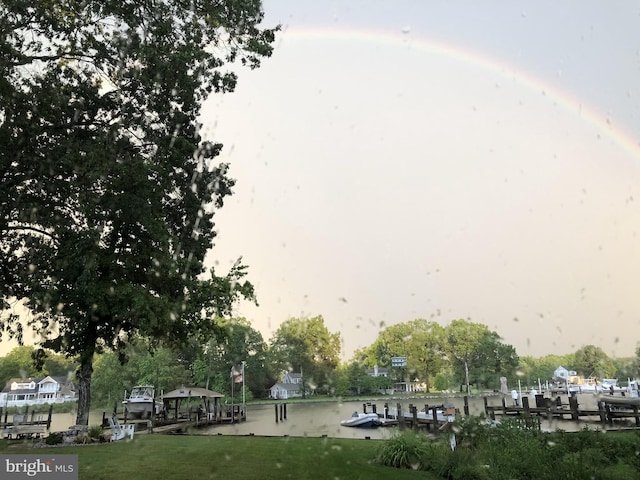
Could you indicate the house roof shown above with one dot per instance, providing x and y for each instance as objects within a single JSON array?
[
  {"x": 37, "y": 381},
  {"x": 290, "y": 387},
  {"x": 191, "y": 392}
]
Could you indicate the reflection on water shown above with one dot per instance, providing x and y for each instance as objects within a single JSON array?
[{"x": 323, "y": 418}]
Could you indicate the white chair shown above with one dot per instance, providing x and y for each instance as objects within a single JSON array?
[{"x": 118, "y": 432}]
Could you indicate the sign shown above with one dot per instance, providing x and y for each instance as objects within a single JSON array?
[
  {"x": 398, "y": 361},
  {"x": 42, "y": 466}
]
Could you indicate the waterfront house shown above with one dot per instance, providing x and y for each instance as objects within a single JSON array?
[
  {"x": 377, "y": 372},
  {"x": 289, "y": 386},
  {"x": 20, "y": 392}
]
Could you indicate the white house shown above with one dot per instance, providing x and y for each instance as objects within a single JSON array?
[
  {"x": 290, "y": 386},
  {"x": 378, "y": 372},
  {"x": 19, "y": 392}
]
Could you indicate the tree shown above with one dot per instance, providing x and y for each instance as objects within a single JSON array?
[
  {"x": 428, "y": 344},
  {"x": 108, "y": 192},
  {"x": 464, "y": 343},
  {"x": 237, "y": 343},
  {"x": 593, "y": 361},
  {"x": 159, "y": 367},
  {"x": 420, "y": 341},
  {"x": 306, "y": 345},
  {"x": 19, "y": 362}
]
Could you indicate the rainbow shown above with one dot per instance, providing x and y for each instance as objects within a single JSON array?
[{"x": 602, "y": 123}]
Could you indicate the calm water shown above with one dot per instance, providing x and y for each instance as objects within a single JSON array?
[{"x": 323, "y": 418}]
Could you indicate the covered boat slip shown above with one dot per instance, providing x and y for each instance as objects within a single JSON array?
[{"x": 195, "y": 406}]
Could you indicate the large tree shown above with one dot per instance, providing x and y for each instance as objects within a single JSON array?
[
  {"x": 473, "y": 348},
  {"x": 238, "y": 344},
  {"x": 305, "y": 345},
  {"x": 421, "y": 341},
  {"x": 108, "y": 192},
  {"x": 592, "y": 361}
]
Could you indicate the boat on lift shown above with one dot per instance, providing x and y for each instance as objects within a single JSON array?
[{"x": 141, "y": 402}]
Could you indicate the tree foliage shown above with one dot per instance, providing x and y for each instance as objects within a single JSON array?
[
  {"x": 306, "y": 346},
  {"x": 237, "y": 343},
  {"x": 592, "y": 361},
  {"x": 19, "y": 363},
  {"x": 108, "y": 192}
]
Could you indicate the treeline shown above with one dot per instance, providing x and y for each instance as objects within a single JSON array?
[{"x": 453, "y": 357}]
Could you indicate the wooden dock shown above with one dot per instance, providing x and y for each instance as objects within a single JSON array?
[
  {"x": 433, "y": 418},
  {"x": 553, "y": 409},
  {"x": 25, "y": 425}
]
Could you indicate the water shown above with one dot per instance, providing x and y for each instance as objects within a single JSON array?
[{"x": 315, "y": 419}]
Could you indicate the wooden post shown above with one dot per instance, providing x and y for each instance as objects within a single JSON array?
[
  {"x": 401, "y": 419},
  {"x": 280, "y": 412},
  {"x": 607, "y": 409},
  {"x": 374, "y": 407},
  {"x": 466, "y": 406},
  {"x": 49, "y": 416},
  {"x": 285, "y": 410},
  {"x": 603, "y": 414},
  {"x": 414, "y": 415},
  {"x": 276, "y": 407},
  {"x": 573, "y": 406},
  {"x": 364, "y": 408},
  {"x": 635, "y": 412},
  {"x": 434, "y": 412},
  {"x": 385, "y": 409},
  {"x": 486, "y": 405},
  {"x": 525, "y": 406}
]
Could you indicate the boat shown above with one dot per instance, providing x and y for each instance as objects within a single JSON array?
[
  {"x": 362, "y": 420},
  {"x": 141, "y": 401}
]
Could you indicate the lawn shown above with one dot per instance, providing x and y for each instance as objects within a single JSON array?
[{"x": 169, "y": 457}]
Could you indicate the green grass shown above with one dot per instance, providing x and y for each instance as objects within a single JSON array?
[{"x": 169, "y": 457}]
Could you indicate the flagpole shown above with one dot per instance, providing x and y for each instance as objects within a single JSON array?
[
  {"x": 233, "y": 380},
  {"x": 243, "y": 402}
]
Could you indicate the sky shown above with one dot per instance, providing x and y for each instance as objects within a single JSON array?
[{"x": 440, "y": 160}]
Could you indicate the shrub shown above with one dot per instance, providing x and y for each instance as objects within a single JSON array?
[
  {"x": 53, "y": 439},
  {"x": 403, "y": 450},
  {"x": 95, "y": 431}
]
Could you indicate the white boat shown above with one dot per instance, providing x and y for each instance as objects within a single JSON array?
[
  {"x": 363, "y": 420},
  {"x": 141, "y": 401}
]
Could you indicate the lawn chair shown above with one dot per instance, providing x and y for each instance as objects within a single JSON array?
[{"x": 118, "y": 432}]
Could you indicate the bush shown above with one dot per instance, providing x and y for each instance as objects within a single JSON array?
[
  {"x": 404, "y": 450},
  {"x": 95, "y": 431},
  {"x": 53, "y": 439}
]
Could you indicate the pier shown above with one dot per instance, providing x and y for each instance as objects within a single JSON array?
[
  {"x": 609, "y": 409},
  {"x": 23, "y": 425}
]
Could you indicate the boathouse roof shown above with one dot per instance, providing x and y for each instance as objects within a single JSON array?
[{"x": 191, "y": 392}]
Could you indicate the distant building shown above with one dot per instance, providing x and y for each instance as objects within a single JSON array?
[
  {"x": 377, "y": 372},
  {"x": 290, "y": 386},
  {"x": 20, "y": 392}
]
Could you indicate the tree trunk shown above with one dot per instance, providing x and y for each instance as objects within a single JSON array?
[
  {"x": 83, "y": 375},
  {"x": 466, "y": 375}
]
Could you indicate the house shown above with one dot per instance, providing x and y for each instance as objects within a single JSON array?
[
  {"x": 562, "y": 372},
  {"x": 19, "y": 392},
  {"x": 290, "y": 386},
  {"x": 377, "y": 372}
]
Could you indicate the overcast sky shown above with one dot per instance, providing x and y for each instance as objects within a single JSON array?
[{"x": 438, "y": 159}]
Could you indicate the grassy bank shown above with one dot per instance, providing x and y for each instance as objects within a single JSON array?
[{"x": 209, "y": 457}]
